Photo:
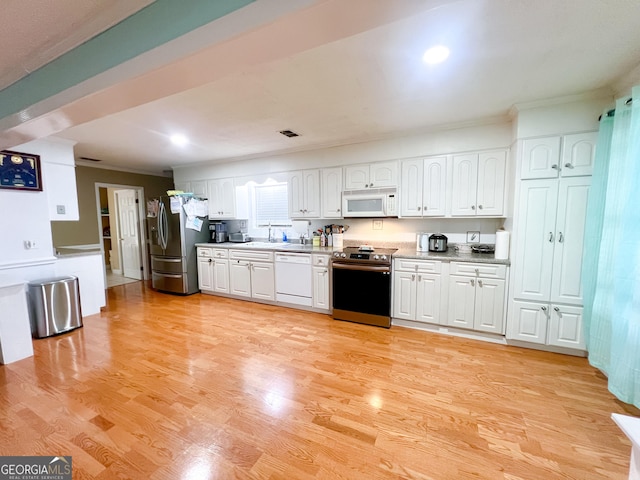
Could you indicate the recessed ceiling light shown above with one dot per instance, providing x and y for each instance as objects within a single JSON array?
[
  {"x": 179, "y": 140},
  {"x": 435, "y": 55}
]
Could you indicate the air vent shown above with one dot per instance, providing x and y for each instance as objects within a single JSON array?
[
  {"x": 90, "y": 159},
  {"x": 289, "y": 133}
]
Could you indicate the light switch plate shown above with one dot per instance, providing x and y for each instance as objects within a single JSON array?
[
  {"x": 473, "y": 237},
  {"x": 377, "y": 224}
]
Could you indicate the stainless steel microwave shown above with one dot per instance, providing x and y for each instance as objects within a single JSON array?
[{"x": 370, "y": 203}]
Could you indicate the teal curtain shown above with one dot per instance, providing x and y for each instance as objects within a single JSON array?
[{"x": 611, "y": 274}]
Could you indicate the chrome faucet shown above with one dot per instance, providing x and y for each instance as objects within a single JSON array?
[{"x": 270, "y": 239}]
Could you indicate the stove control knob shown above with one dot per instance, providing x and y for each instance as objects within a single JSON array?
[
  {"x": 383, "y": 257},
  {"x": 376, "y": 257},
  {"x": 336, "y": 254},
  {"x": 343, "y": 255}
]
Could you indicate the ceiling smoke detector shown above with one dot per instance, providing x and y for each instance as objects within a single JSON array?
[{"x": 289, "y": 133}]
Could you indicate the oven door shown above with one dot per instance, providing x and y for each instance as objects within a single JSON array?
[{"x": 362, "y": 293}]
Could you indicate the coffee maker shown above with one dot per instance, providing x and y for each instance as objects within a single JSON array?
[{"x": 218, "y": 232}]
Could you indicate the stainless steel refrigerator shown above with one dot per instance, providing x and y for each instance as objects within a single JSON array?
[{"x": 172, "y": 238}]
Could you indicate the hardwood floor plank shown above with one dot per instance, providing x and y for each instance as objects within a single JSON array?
[{"x": 164, "y": 387}]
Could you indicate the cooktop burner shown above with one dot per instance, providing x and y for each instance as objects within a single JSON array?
[{"x": 364, "y": 254}]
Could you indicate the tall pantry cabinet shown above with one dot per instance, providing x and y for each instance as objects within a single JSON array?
[{"x": 546, "y": 297}]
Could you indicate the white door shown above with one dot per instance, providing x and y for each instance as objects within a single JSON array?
[
  {"x": 239, "y": 278},
  {"x": 565, "y": 327},
  {"x": 411, "y": 175},
  {"x": 528, "y": 321},
  {"x": 489, "y": 309},
  {"x": 228, "y": 197},
  {"x": 215, "y": 198},
  {"x": 540, "y": 158},
  {"x": 356, "y": 177},
  {"x": 491, "y": 173},
  {"x": 434, "y": 187},
  {"x": 578, "y": 154},
  {"x": 321, "y": 287},
  {"x": 311, "y": 191},
  {"x": 384, "y": 174},
  {"x": 295, "y": 189},
  {"x": 205, "y": 279},
  {"x": 404, "y": 295},
  {"x": 465, "y": 185},
  {"x": 331, "y": 192},
  {"x": 428, "y": 298},
  {"x": 263, "y": 281},
  {"x": 221, "y": 276},
  {"x": 129, "y": 234},
  {"x": 533, "y": 259},
  {"x": 566, "y": 280},
  {"x": 462, "y": 292}
]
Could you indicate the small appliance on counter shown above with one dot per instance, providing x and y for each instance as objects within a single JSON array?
[
  {"x": 218, "y": 232},
  {"x": 422, "y": 242},
  {"x": 239, "y": 237},
  {"x": 438, "y": 243},
  {"x": 483, "y": 248}
]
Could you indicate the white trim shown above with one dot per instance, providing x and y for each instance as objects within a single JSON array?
[
  {"x": 100, "y": 165},
  {"x": 28, "y": 263}
]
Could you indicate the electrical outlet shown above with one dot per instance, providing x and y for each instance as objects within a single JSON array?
[
  {"x": 377, "y": 224},
  {"x": 473, "y": 237},
  {"x": 243, "y": 224},
  {"x": 60, "y": 209},
  {"x": 30, "y": 244}
]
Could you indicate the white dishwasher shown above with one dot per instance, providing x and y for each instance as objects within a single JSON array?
[{"x": 293, "y": 278}]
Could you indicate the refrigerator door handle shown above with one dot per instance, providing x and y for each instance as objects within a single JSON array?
[{"x": 163, "y": 226}]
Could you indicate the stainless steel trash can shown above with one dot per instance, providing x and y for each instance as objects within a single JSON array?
[{"x": 54, "y": 306}]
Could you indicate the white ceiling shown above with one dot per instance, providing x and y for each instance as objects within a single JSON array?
[{"x": 336, "y": 79}]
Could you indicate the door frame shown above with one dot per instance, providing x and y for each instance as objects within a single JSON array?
[
  {"x": 116, "y": 197},
  {"x": 141, "y": 224}
]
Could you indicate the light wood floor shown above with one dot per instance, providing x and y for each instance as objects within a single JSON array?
[{"x": 165, "y": 387}]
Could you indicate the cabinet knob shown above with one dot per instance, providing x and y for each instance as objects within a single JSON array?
[
  {"x": 418, "y": 208},
  {"x": 371, "y": 184},
  {"x": 338, "y": 210},
  {"x": 473, "y": 282},
  {"x": 480, "y": 283},
  {"x": 544, "y": 309},
  {"x": 560, "y": 237},
  {"x": 419, "y": 278},
  {"x": 424, "y": 208},
  {"x": 568, "y": 165},
  {"x": 555, "y": 166},
  {"x": 551, "y": 236},
  {"x": 210, "y": 260},
  {"x": 473, "y": 207},
  {"x": 556, "y": 309},
  {"x": 477, "y": 271},
  {"x": 366, "y": 185},
  {"x": 479, "y": 207},
  {"x": 413, "y": 277}
]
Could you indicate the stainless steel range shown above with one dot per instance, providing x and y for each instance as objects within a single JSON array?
[{"x": 362, "y": 285}]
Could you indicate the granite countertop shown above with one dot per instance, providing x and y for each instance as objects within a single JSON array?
[
  {"x": 275, "y": 246},
  {"x": 451, "y": 255}
]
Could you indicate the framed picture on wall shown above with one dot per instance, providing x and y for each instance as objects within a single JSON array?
[{"x": 20, "y": 171}]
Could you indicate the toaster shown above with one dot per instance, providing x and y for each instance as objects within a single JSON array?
[{"x": 239, "y": 237}]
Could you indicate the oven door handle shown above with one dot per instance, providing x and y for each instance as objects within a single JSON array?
[{"x": 361, "y": 268}]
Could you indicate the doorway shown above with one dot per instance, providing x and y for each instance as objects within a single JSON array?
[{"x": 122, "y": 233}]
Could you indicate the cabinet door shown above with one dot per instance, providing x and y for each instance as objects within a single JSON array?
[
  {"x": 465, "y": 181},
  {"x": 199, "y": 188},
  {"x": 462, "y": 293},
  {"x": 205, "y": 278},
  {"x": 239, "y": 278},
  {"x": 411, "y": 178},
  {"x": 311, "y": 191},
  {"x": 331, "y": 197},
  {"x": 428, "y": 291},
  {"x": 566, "y": 280},
  {"x": 184, "y": 186},
  {"x": 528, "y": 322},
  {"x": 540, "y": 158},
  {"x": 533, "y": 258},
  {"x": 356, "y": 177},
  {"x": 383, "y": 175},
  {"x": 434, "y": 187},
  {"x": 578, "y": 153},
  {"x": 489, "y": 305},
  {"x": 228, "y": 197},
  {"x": 295, "y": 189},
  {"x": 491, "y": 173},
  {"x": 221, "y": 276},
  {"x": 321, "y": 288},
  {"x": 215, "y": 199},
  {"x": 262, "y": 281},
  {"x": 404, "y": 295},
  {"x": 565, "y": 327}
]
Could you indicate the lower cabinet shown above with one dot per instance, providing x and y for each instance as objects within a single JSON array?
[
  {"x": 417, "y": 290},
  {"x": 477, "y": 296},
  {"x": 251, "y": 274},
  {"x": 321, "y": 282},
  {"x": 213, "y": 270},
  {"x": 546, "y": 324}
]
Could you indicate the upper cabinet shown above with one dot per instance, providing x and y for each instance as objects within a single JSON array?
[
  {"x": 304, "y": 194},
  {"x": 373, "y": 175},
  {"x": 331, "y": 198},
  {"x": 199, "y": 188},
  {"x": 423, "y": 187},
  {"x": 553, "y": 157},
  {"x": 478, "y": 184},
  {"x": 222, "y": 198}
]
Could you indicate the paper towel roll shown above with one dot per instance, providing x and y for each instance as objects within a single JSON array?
[{"x": 502, "y": 245}]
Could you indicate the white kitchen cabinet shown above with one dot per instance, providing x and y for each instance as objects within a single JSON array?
[
  {"x": 200, "y": 188},
  {"x": 478, "y": 184},
  {"x": 222, "y": 198},
  {"x": 331, "y": 197},
  {"x": 251, "y": 274},
  {"x": 417, "y": 288},
  {"x": 182, "y": 186},
  {"x": 547, "y": 324},
  {"x": 423, "y": 187},
  {"x": 371, "y": 175},
  {"x": 321, "y": 281},
  {"x": 213, "y": 270},
  {"x": 303, "y": 188},
  {"x": 552, "y": 157},
  {"x": 476, "y": 296}
]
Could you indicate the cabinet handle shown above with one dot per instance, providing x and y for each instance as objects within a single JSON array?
[
  {"x": 480, "y": 283},
  {"x": 413, "y": 277},
  {"x": 424, "y": 208},
  {"x": 210, "y": 260},
  {"x": 418, "y": 208},
  {"x": 544, "y": 309},
  {"x": 419, "y": 278},
  {"x": 556, "y": 309},
  {"x": 551, "y": 236},
  {"x": 555, "y": 166},
  {"x": 479, "y": 207},
  {"x": 473, "y": 282},
  {"x": 473, "y": 207},
  {"x": 477, "y": 272},
  {"x": 568, "y": 165},
  {"x": 560, "y": 237}
]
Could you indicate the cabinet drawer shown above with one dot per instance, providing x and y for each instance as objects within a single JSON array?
[
  {"x": 219, "y": 252},
  {"x": 420, "y": 266},
  {"x": 486, "y": 270},
  {"x": 320, "y": 260},
  {"x": 260, "y": 255},
  {"x": 204, "y": 252}
]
